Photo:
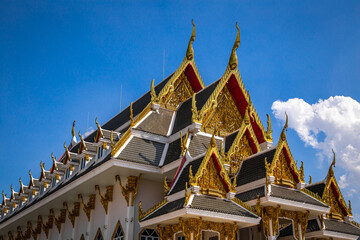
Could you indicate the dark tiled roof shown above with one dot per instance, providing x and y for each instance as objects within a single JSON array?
[
  {"x": 157, "y": 123},
  {"x": 311, "y": 227},
  {"x": 184, "y": 114},
  {"x": 294, "y": 195},
  {"x": 219, "y": 205},
  {"x": 254, "y": 168},
  {"x": 167, "y": 208},
  {"x": 142, "y": 151},
  {"x": 252, "y": 194},
  {"x": 138, "y": 106},
  {"x": 317, "y": 188},
  {"x": 342, "y": 227},
  {"x": 173, "y": 152},
  {"x": 199, "y": 145},
  {"x": 184, "y": 177},
  {"x": 287, "y": 231},
  {"x": 229, "y": 140}
]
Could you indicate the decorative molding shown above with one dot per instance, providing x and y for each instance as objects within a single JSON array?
[{"x": 143, "y": 214}]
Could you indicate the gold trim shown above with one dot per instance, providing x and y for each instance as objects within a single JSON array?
[
  {"x": 118, "y": 224},
  {"x": 190, "y": 50},
  {"x": 152, "y": 209},
  {"x": 97, "y": 233},
  {"x": 244, "y": 205},
  {"x": 99, "y": 133}
]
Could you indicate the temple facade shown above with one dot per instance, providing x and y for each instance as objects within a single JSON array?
[{"x": 183, "y": 162}]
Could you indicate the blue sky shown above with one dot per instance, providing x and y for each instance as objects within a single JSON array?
[{"x": 60, "y": 61}]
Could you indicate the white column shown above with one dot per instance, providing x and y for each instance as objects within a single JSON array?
[{"x": 129, "y": 232}]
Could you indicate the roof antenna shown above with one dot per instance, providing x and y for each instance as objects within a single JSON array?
[
  {"x": 164, "y": 64},
  {"x": 120, "y": 96}
]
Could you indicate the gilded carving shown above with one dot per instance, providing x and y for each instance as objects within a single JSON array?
[
  {"x": 99, "y": 133},
  {"x": 241, "y": 151},
  {"x": 282, "y": 173},
  {"x": 60, "y": 219},
  {"x": 224, "y": 113},
  {"x": 90, "y": 205},
  {"x": 182, "y": 91},
  {"x": 269, "y": 131},
  {"x": 73, "y": 213},
  {"x": 131, "y": 187},
  {"x": 104, "y": 200},
  {"x": 210, "y": 182}
]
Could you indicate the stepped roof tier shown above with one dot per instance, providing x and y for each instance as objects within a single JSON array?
[{"x": 207, "y": 151}]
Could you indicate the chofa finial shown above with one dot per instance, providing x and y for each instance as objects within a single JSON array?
[
  {"x": 283, "y": 135},
  {"x": 73, "y": 129},
  {"x": 268, "y": 130},
  {"x": 233, "y": 61},
  {"x": 333, "y": 162},
  {"x": 190, "y": 50}
]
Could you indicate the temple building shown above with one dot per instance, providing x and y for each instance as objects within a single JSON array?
[{"x": 183, "y": 162}]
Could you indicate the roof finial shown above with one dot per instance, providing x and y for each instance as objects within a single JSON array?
[
  {"x": 112, "y": 139},
  {"x": 190, "y": 50},
  {"x": 310, "y": 180},
  {"x": 268, "y": 130},
  {"x": 152, "y": 92},
  {"x": 333, "y": 162},
  {"x": 73, "y": 129},
  {"x": 233, "y": 61},
  {"x": 350, "y": 208},
  {"x": 283, "y": 135},
  {"x": 131, "y": 115}
]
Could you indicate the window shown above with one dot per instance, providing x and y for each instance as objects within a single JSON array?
[
  {"x": 118, "y": 233},
  {"x": 67, "y": 173},
  {"x": 149, "y": 234},
  {"x": 98, "y": 235},
  {"x": 181, "y": 238},
  {"x": 100, "y": 152},
  {"x": 82, "y": 237},
  {"x": 82, "y": 163},
  {"x": 41, "y": 189}
]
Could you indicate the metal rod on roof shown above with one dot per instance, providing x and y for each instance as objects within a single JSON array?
[{"x": 164, "y": 64}]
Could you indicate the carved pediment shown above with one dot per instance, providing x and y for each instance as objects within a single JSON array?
[
  {"x": 210, "y": 181},
  {"x": 182, "y": 91},
  {"x": 283, "y": 170},
  {"x": 241, "y": 151},
  {"x": 225, "y": 115}
]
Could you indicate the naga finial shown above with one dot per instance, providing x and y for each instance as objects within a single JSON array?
[
  {"x": 152, "y": 92},
  {"x": 20, "y": 182},
  {"x": 349, "y": 208},
  {"x": 81, "y": 138},
  {"x": 310, "y": 180},
  {"x": 283, "y": 135},
  {"x": 73, "y": 129},
  {"x": 333, "y": 162},
  {"x": 246, "y": 115},
  {"x": 233, "y": 61},
  {"x": 53, "y": 158},
  {"x": 97, "y": 124},
  {"x": 212, "y": 141},
  {"x": 268, "y": 130},
  {"x": 190, "y": 50},
  {"x": 302, "y": 171}
]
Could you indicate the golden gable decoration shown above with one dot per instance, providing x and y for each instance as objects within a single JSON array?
[{"x": 211, "y": 176}]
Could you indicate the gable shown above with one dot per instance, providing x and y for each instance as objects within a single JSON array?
[
  {"x": 210, "y": 182},
  {"x": 211, "y": 177},
  {"x": 284, "y": 168},
  {"x": 244, "y": 145},
  {"x": 333, "y": 197},
  {"x": 226, "y": 116}
]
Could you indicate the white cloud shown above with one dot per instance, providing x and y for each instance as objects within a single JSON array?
[{"x": 333, "y": 123}]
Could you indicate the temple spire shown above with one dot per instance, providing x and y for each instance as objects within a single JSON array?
[
  {"x": 190, "y": 50},
  {"x": 233, "y": 61}
]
